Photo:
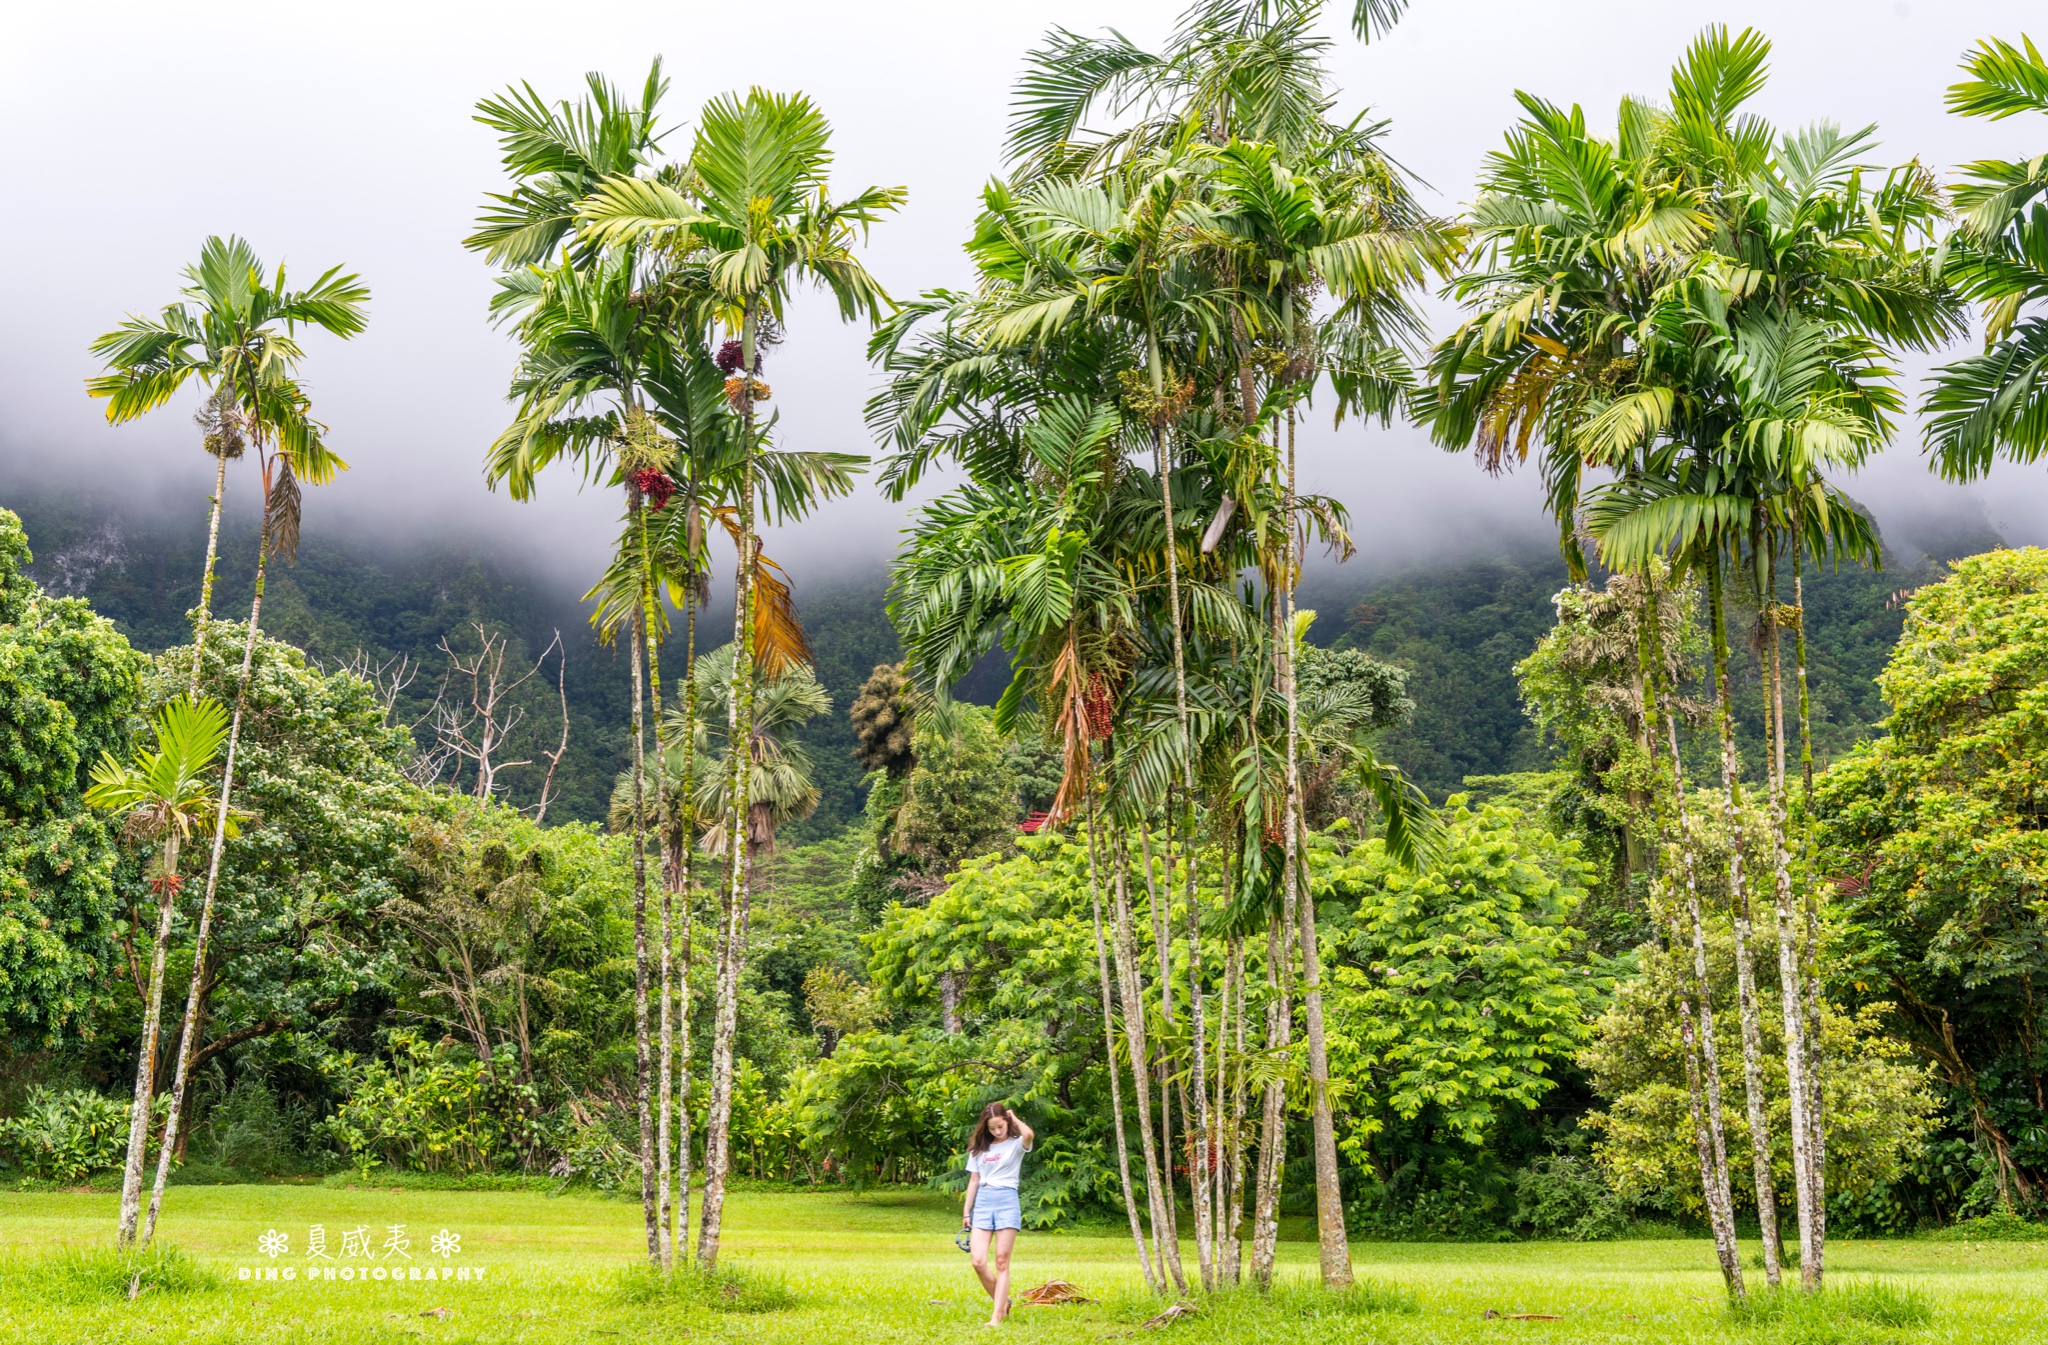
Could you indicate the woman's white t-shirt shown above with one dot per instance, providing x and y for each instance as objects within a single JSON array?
[{"x": 1002, "y": 1164}]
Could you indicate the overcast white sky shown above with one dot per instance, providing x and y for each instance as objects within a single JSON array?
[{"x": 336, "y": 132}]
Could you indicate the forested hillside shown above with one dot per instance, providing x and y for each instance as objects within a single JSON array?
[{"x": 1457, "y": 627}]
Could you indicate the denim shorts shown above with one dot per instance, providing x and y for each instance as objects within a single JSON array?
[{"x": 996, "y": 1207}]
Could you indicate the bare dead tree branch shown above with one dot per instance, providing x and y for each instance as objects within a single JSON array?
[
  {"x": 471, "y": 729},
  {"x": 547, "y": 784}
]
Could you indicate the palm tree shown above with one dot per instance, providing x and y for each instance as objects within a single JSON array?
[
  {"x": 236, "y": 333},
  {"x": 1996, "y": 403},
  {"x": 231, "y": 338},
  {"x": 1231, "y": 70},
  {"x": 556, "y": 155},
  {"x": 164, "y": 795},
  {"x": 588, "y": 350},
  {"x": 1703, "y": 310},
  {"x": 754, "y": 213},
  {"x": 1345, "y": 226}
]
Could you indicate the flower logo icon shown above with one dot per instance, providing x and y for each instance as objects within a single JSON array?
[
  {"x": 273, "y": 1244},
  {"x": 446, "y": 1244}
]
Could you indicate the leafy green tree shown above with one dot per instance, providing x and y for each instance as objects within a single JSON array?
[
  {"x": 68, "y": 683},
  {"x": 1879, "y": 1107},
  {"x": 1933, "y": 834},
  {"x": 1461, "y": 988},
  {"x": 960, "y": 799},
  {"x": 163, "y": 797}
]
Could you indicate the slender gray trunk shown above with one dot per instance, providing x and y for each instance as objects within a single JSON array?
[
  {"x": 739, "y": 751},
  {"x": 1812, "y": 1271},
  {"x": 145, "y": 1054},
  {"x": 220, "y": 490},
  {"x": 1719, "y": 1199},
  {"x": 1158, "y": 1193},
  {"x": 1790, "y": 1000},
  {"x": 202, "y": 938},
  {"x": 642, "y": 1056},
  {"x": 1168, "y": 1233},
  {"x": 1273, "y": 1104},
  {"x": 1739, "y": 907},
  {"x": 1116, "y": 1095},
  {"x": 1230, "y": 1117},
  {"x": 686, "y": 830},
  {"x": 1334, "y": 1248}
]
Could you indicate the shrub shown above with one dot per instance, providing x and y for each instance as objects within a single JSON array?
[
  {"x": 248, "y": 1133},
  {"x": 1564, "y": 1196},
  {"x": 1998, "y": 1226},
  {"x": 431, "y": 1112},
  {"x": 68, "y": 1136}
]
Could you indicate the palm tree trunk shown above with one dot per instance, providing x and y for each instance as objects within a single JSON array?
[
  {"x": 1811, "y": 1273},
  {"x": 650, "y": 615},
  {"x": 1713, "y": 1170},
  {"x": 1202, "y": 1159},
  {"x": 1158, "y": 1190},
  {"x": 1790, "y": 1000},
  {"x": 642, "y": 1056},
  {"x": 739, "y": 751},
  {"x": 220, "y": 490},
  {"x": 1739, "y": 909},
  {"x": 1199, "y": 1113},
  {"x": 1168, "y": 1233},
  {"x": 145, "y": 1055},
  {"x": 1233, "y": 1202},
  {"x": 1116, "y": 1097},
  {"x": 202, "y": 939},
  {"x": 1273, "y": 1111},
  {"x": 1334, "y": 1247},
  {"x": 687, "y": 832},
  {"x": 1714, "y": 1163}
]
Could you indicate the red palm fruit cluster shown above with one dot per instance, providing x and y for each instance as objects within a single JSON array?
[
  {"x": 1098, "y": 705},
  {"x": 655, "y": 485},
  {"x": 729, "y": 357}
]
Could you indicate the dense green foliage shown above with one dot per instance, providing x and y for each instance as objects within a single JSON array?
[
  {"x": 1934, "y": 834},
  {"x": 68, "y": 682}
]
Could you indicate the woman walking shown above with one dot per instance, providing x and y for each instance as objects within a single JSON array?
[{"x": 995, "y": 1157}]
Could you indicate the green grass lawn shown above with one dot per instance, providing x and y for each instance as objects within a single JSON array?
[{"x": 877, "y": 1268}]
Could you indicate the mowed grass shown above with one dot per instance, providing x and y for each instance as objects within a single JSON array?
[{"x": 880, "y": 1268}]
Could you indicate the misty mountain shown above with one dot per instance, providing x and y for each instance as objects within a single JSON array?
[{"x": 1458, "y": 627}]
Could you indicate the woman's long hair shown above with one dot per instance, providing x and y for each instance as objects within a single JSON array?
[{"x": 978, "y": 1142}]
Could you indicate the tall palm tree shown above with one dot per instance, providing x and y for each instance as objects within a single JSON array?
[
  {"x": 235, "y": 332},
  {"x": 1995, "y": 403},
  {"x": 165, "y": 796},
  {"x": 589, "y": 350},
  {"x": 1704, "y": 310},
  {"x": 1231, "y": 70},
  {"x": 753, "y": 210},
  {"x": 232, "y": 336},
  {"x": 1290, "y": 230}
]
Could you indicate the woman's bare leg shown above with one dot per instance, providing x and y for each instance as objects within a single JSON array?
[
  {"x": 1006, "y": 1238},
  {"x": 980, "y": 1243}
]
